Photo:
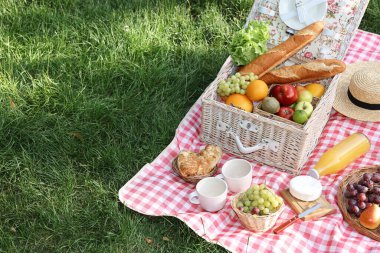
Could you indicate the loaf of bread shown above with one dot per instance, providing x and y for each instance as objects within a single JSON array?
[
  {"x": 311, "y": 71},
  {"x": 209, "y": 157},
  {"x": 266, "y": 62},
  {"x": 192, "y": 164},
  {"x": 188, "y": 163}
]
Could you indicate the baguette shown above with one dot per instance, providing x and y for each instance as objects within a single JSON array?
[
  {"x": 311, "y": 71},
  {"x": 265, "y": 62}
]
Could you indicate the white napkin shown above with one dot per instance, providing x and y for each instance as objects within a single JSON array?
[{"x": 302, "y": 6}]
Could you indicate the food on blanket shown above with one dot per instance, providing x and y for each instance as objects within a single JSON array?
[
  {"x": 286, "y": 112},
  {"x": 188, "y": 163},
  {"x": 248, "y": 43},
  {"x": 362, "y": 205},
  {"x": 305, "y": 188},
  {"x": 300, "y": 116},
  {"x": 235, "y": 84},
  {"x": 310, "y": 71},
  {"x": 192, "y": 164},
  {"x": 270, "y": 104},
  {"x": 259, "y": 200},
  {"x": 316, "y": 89},
  {"x": 255, "y": 210},
  {"x": 305, "y": 95},
  {"x": 377, "y": 200},
  {"x": 304, "y": 106},
  {"x": 360, "y": 195},
  {"x": 286, "y": 94},
  {"x": 370, "y": 217},
  {"x": 211, "y": 154},
  {"x": 240, "y": 101},
  {"x": 257, "y": 90},
  {"x": 375, "y": 178},
  {"x": 266, "y": 62}
]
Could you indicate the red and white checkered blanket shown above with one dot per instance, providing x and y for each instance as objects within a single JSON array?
[{"x": 156, "y": 190}]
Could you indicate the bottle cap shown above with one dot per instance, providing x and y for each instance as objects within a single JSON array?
[{"x": 313, "y": 173}]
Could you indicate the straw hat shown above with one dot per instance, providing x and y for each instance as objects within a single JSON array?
[{"x": 358, "y": 92}]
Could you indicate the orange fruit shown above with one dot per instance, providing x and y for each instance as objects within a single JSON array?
[
  {"x": 240, "y": 101},
  {"x": 316, "y": 89},
  {"x": 257, "y": 90}
]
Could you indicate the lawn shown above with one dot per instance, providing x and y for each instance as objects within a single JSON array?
[{"x": 91, "y": 91}]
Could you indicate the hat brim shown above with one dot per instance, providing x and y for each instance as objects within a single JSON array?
[{"x": 343, "y": 104}]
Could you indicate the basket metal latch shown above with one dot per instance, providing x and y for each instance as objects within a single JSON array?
[
  {"x": 264, "y": 144},
  {"x": 245, "y": 124}
]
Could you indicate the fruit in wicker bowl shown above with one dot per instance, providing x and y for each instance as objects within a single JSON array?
[
  {"x": 361, "y": 194},
  {"x": 258, "y": 208},
  {"x": 192, "y": 167},
  {"x": 358, "y": 198}
]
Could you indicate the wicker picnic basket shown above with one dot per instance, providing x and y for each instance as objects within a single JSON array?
[
  {"x": 257, "y": 223},
  {"x": 264, "y": 137},
  {"x": 354, "y": 177}
]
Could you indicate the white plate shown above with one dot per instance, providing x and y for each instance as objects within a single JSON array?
[{"x": 314, "y": 13}]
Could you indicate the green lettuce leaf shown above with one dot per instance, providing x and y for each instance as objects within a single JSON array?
[{"x": 247, "y": 44}]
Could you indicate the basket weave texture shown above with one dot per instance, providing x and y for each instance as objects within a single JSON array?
[
  {"x": 257, "y": 223},
  {"x": 295, "y": 141},
  {"x": 354, "y": 177},
  {"x": 192, "y": 179}
]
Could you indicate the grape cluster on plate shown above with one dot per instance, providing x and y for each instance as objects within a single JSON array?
[
  {"x": 259, "y": 200},
  {"x": 235, "y": 84},
  {"x": 363, "y": 193}
]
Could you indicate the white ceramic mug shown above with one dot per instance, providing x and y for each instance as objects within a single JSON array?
[
  {"x": 238, "y": 175},
  {"x": 211, "y": 194}
]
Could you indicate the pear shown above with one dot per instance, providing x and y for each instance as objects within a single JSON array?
[{"x": 370, "y": 217}]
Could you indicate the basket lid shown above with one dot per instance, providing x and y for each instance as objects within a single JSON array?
[{"x": 341, "y": 17}]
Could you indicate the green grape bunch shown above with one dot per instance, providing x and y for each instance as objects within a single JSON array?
[
  {"x": 259, "y": 200},
  {"x": 235, "y": 83}
]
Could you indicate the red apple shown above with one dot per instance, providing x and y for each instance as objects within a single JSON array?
[
  {"x": 286, "y": 94},
  {"x": 285, "y": 112}
]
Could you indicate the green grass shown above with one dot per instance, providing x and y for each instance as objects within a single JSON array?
[{"x": 90, "y": 91}]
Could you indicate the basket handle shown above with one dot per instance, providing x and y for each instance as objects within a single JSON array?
[{"x": 263, "y": 144}]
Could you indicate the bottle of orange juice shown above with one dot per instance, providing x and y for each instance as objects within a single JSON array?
[{"x": 341, "y": 155}]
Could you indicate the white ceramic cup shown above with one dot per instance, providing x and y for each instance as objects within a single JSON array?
[
  {"x": 238, "y": 175},
  {"x": 211, "y": 194}
]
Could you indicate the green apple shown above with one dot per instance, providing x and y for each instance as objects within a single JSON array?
[
  {"x": 300, "y": 116},
  {"x": 305, "y": 95},
  {"x": 305, "y": 106}
]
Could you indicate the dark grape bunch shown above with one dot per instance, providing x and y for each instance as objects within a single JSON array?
[{"x": 362, "y": 194}]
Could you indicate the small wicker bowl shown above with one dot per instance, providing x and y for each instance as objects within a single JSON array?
[
  {"x": 354, "y": 177},
  {"x": 253, "y": 222},
  {"x": 192, "y": 179}
]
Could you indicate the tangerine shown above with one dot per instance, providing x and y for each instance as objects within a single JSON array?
[
  {"x": 316, "y": 89},
  {"x": 240, "y": 101},
  {"x": 257, "y": 90}
]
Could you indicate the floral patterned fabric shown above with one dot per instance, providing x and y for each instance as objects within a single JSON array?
[{"x": 341, "y": 20}]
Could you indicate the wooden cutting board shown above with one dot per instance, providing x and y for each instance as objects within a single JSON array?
[{"x": 299, "y": 206}]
